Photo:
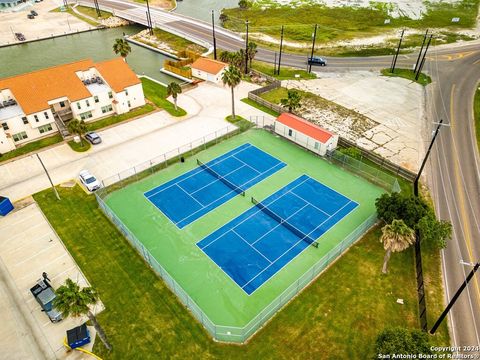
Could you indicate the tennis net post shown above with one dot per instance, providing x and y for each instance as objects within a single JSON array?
[
  {"x": 285, "y": 223},
  {"x": 231, "y": 185}
]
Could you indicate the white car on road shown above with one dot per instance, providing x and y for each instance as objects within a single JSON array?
[{"x": 90, "y": 181}]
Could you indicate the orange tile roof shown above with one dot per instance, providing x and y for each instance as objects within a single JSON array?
[
  {"x": 305, "y": 127},
  {"x": 117, "y": 74},
  {"x": 208, "y": 65},
  {"x": 33, "y": 90}
]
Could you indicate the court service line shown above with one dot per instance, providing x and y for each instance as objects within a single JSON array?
[
  {"x": 213, "y": 182},
  {"x": 241, "y": 237},
  {"x": 312, "y": 204},
  {"x": 298, "y": 242},
  {"x": 194, "y": 172},
  {"x": 190, "y": 195},
  {"x": 228, "y": 193},
  {"x": 243, "y": 162},
  {"x": 248, "y": 217}
]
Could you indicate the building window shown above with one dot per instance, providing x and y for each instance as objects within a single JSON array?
[
  {"x": 45, "y": 128},
  {"x": 110, "y": 95},
  {"x": 20, "y": 136},
  {"x": 5, "y": 126},
  {"x": 128, "y": 103},
  {"x": 290, "y": 132},
  {"x": 46, "y": 115},
  {"x": 86, "y": 115},
  {"x": 95, "y": 98},
  {"x": 62, "y": 103},
  {"x": 36, "y": 118},
  {"x": 316, "y": 145},
  {"x": 25, "y": 120},
  {"x": 126, "y": 92},
  {"x": 88, "y": 103},
  {"x": 78, "y": 106},
  {"x": 106, "y": 109}
]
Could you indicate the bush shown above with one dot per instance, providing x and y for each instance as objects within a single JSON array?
[
  {"x": 352, "y": 152},
  {"x": 401, "y": 341}
]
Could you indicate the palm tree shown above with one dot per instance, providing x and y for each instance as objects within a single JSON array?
[
  {"x": 122, "y": 47},
  {"x": 173, "y": 89},
  {"x": 251, "y": 52},
  {"x": 395, "y": 237},
  {"x": 292, "y": 101},
  {"x": 71, "y": 300},
  {"x": 225, "y": 56},
  {"x": 232, "y": 77},
  {"x": 78, "y": 127}
]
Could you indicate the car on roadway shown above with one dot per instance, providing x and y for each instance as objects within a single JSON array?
[
  {"x": 93, "y": 137},
  {"x": 89, "y": 181},
  {"x": 34, "y": 13},
  {"x": 30, "y": 16},
  {"x": 45, "y": 295},
  {"x": 20, "y": 37},
  {"x": 315, "y": 60}
]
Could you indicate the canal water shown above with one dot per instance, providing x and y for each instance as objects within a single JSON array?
[
  {"x": 202, "y": 9},
  {"x": 96, "y": 45}
]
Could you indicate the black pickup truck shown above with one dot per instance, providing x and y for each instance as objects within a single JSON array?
[{"x": 44, "y": 294}]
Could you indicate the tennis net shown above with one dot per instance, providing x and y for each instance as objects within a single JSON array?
[
  {"x": 283, "y": 222},
  {"x": 221, "y": 178}
]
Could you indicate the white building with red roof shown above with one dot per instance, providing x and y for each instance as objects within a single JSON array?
[
  {"x": 305, "y": 133},
  {"x": 208, "y": 69}
]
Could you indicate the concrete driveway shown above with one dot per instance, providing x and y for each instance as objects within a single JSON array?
[{"x": 131, "y": 143}]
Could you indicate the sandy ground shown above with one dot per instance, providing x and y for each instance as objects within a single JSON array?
[
  {"x": 44, "y": 25},
  {"x": 30, "y": 246},
  {"x": 393, "y": 107},
  {"x": 411, "y": 8}
]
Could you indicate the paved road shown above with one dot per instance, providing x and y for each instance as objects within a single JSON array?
[
  {"x": 453, "y": 172},
  {"x": 455, "y": 185}
]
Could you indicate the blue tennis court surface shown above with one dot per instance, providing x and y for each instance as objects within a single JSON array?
[
  {"x": 257, "y": 244},
  {"x": 195, "y": 193}
]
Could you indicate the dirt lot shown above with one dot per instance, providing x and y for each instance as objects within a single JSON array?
[{"x": 44, "y": 25}]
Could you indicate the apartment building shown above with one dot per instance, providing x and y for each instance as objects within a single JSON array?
[{"x": 40, "y": 103}]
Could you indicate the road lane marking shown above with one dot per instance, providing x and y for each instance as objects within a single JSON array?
[{"x": 463, "y": 213}]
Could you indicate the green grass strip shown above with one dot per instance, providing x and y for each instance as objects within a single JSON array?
[
  {"x": 115, "y": 119},
  {"x": 260, "y": 107},
  {"x": 79, "y": 147},
  {"x": 476, "y": 113},
  {"x": 157, "y": 94},
  {"x": 408, "y": 74},
  {"x": 33, "y": 146},
  {"x": 286, "y": 72}
]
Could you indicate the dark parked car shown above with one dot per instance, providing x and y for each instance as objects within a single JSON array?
[
  {"x": 34, "y": 13},
  {"x": 93, "y": 137},
  {"x": 20, "y": 36},
  {"x": 317, "y": 61},
  {"x": 30, "y": 16},
  {"x": 44, "y": 294}
]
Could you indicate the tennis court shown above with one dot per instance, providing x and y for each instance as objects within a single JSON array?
[
  {"x": 195, "y": 193},
  {"x": 257, "y": 244}
]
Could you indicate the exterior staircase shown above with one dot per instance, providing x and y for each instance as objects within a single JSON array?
[{"x": 61, "y": 125}]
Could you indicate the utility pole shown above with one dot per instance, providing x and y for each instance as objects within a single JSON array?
[
  {"x": 149, "y": 18},
  {"x": 394, "y": 63},
  {"x": 275, "y": 64},
  {"x": 280, "y": 54},
  {"x": 97, "y": 8},
  {"x": 418, "y": 253},
  {"x": 246, "y": 49},
  {"x": 420, "y": 53},
  {"x": 454, "y": 298},
  {"x": 214, "y": 39},
  {"x": 419, "y": 70},
  {"x": 48, "y": 175},
  {"x": 314, "y": 35}
]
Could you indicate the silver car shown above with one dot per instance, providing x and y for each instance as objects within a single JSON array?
[
  {"x": 90, "y": 181},
  {"x": 93, "y": 137}
]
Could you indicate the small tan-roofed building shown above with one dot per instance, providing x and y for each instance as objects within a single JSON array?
[
  {"x": 305, "y": 133},
  {"x": 40, "y": 103},
  {"x": 208, "y": 69}
]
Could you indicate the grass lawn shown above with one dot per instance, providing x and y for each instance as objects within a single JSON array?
[
  {"x": 408, "y": 74},
  {"x": 79, "y": 147},
  {"x": 114, "y": 119},
  {"x": 344, "y": 23},
  {"x": 93, "y": 13},
  {"x": 476, "y": 112},
  {"x": 286, "y": 72},
  {"x": 176, "y": 42},
  {"x": 259, "y": 107},
  {"x": 83, "y": 18},
  {"x": 33, "y": 146},
  {"x": 337, "y": 317},
  {"x": 157, "y": 94}
]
